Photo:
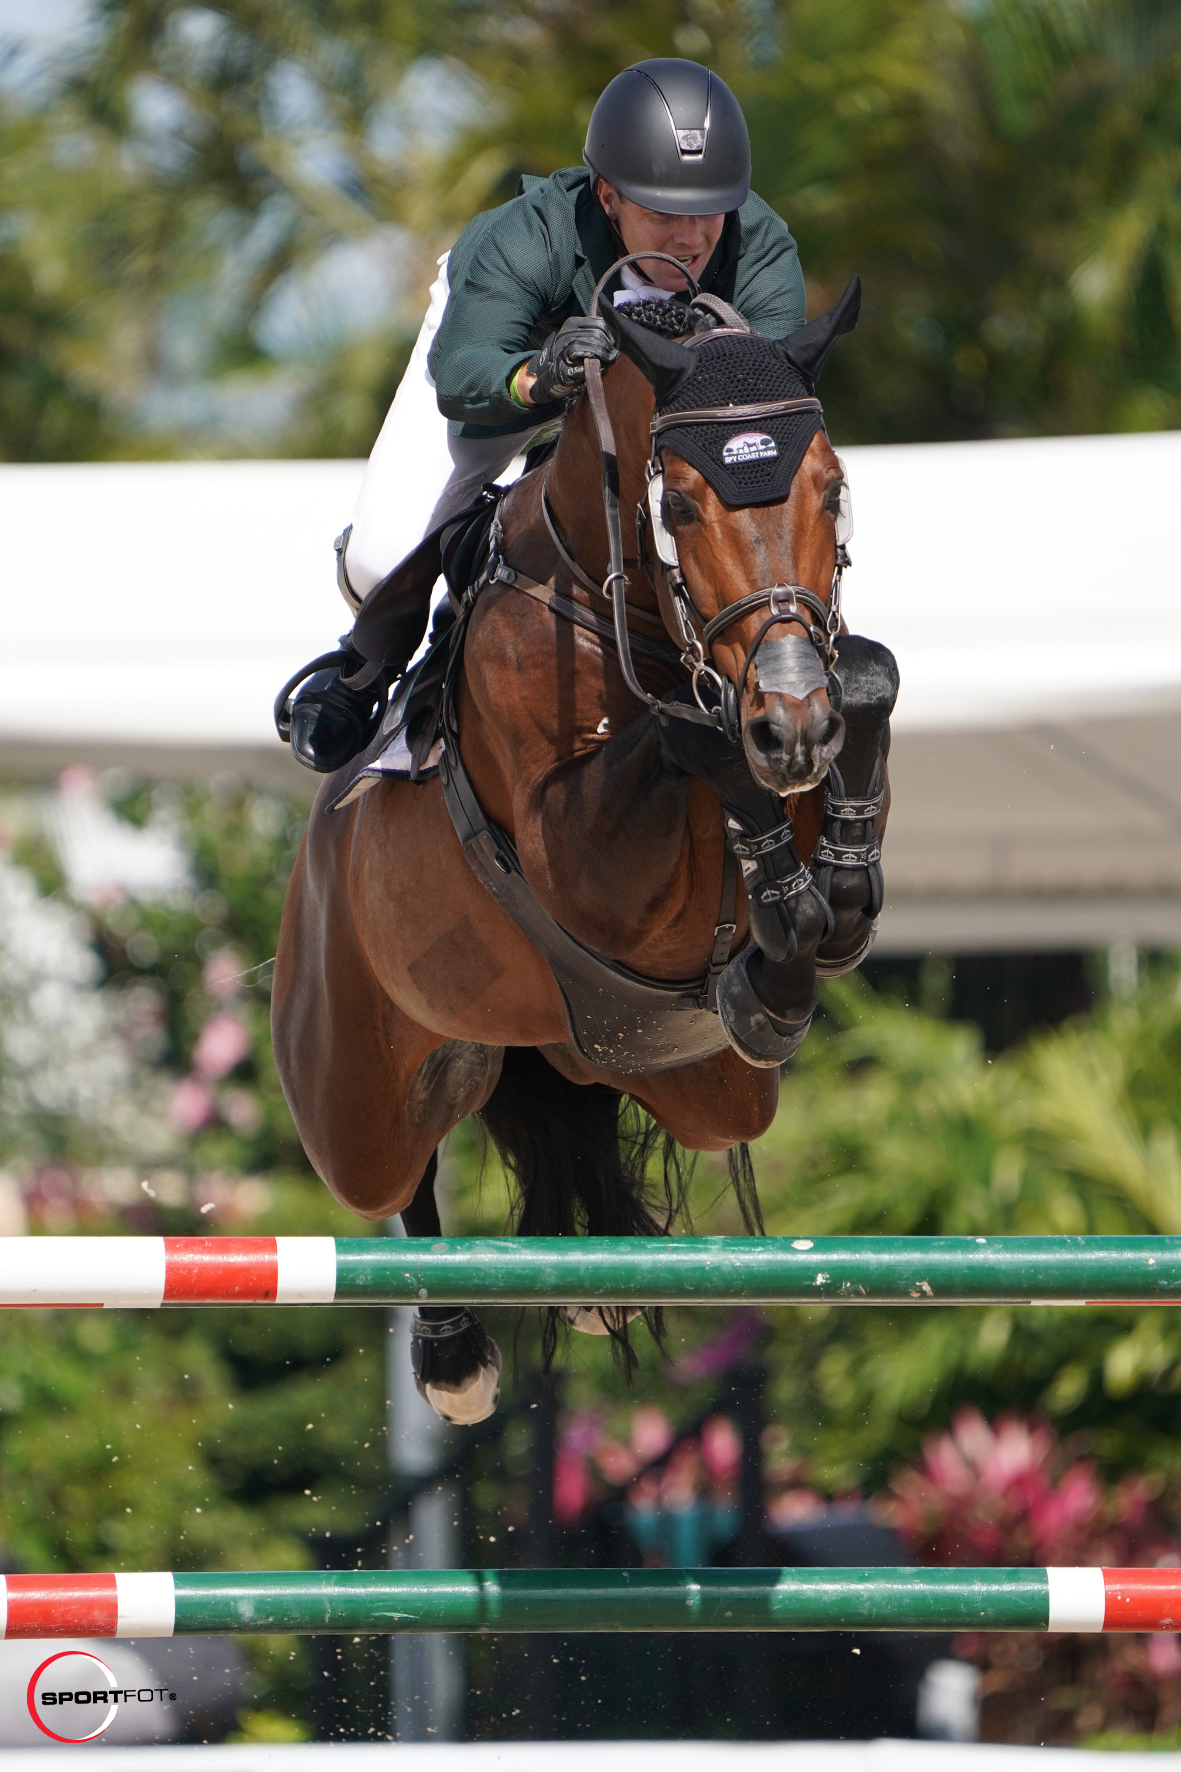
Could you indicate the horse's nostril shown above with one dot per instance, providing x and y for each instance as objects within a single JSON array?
[{"x": 763, "y": 737}]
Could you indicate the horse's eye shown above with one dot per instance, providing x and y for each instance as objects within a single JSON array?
[{"x": 677, "y": 508}]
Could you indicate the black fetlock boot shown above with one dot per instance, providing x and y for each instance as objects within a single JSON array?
[
  {"x": 847, "y": 864},
  {"x": 786, "y": 912},
  {"x": 456, "y": 1364},
  {"x": 775, "y": 879}
]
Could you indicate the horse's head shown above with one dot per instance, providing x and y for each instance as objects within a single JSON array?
[{"x": 749, "y": 513}]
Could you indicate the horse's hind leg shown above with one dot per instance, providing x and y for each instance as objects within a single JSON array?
[
  {"x": 372, "y": 1091},
  {"x": 456, "y": 1362}
]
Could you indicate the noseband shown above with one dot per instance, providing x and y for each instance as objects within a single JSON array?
[{"x": 786, "y": 603}]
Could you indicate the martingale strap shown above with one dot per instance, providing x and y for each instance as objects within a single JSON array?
[{"x": 617, "y": 1019}]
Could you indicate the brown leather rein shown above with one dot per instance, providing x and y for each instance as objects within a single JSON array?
[{"x": 786, "y": 603}]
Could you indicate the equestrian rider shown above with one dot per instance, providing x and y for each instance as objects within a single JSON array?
[{"x": 500, "y": 354}]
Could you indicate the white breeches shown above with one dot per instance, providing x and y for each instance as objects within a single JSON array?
[{"x": 418, "y": 473}]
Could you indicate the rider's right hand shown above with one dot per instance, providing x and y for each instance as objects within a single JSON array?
[{"x": 558, "y": 370}]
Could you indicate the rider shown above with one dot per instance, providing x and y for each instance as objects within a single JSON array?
[{"x": 500, "y": 353}]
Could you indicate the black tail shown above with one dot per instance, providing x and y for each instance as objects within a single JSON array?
[{"x": 580, "y": 1156}]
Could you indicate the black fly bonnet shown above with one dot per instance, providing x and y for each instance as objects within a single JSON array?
[
  {"x": 742, "y": 410},
  {"x": 746, "y": 462}
]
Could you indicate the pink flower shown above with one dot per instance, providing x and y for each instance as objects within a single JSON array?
[
  {"x": 78, "y": 782},
  {"x": 721, "y": 1448},
  {"x": 651, "y": 1432},
  {"x": 223, "y": 1042},
  {"x": 222, "y": 974},
  {"x": 580, "y": 1432},
  {"x": 1163, "y": 1655},
  {"x": 617, "y": 1464},
  {"x": 794, "y": 1506},
  {"x": 240, "y": 1109},
  {"x": 190, "y": 1106},
  {"x": 1004, "y": 1493},
  {"x": 572, "y": 1488}
]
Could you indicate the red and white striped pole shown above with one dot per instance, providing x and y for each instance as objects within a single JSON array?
[
  {"x": 386, "y": 1602},
  {"x": 147, "y": 1272}
]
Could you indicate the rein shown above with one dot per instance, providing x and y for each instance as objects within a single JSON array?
[{"x": 787, "y": 603}]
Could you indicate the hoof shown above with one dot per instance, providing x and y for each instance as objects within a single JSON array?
[
  {"x": 465, "y": 1406},
  {"x": 838, "y": 968},
  {"x": 748, "y": 1026},
  {"x": 600, "y": 1319},
  {"x": 456, "y": 1366}
]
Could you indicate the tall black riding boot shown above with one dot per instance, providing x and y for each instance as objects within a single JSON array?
[{"x": 326, "y": 719}]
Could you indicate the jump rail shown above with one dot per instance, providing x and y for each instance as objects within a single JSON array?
[
  {"x": 147, "y": 1272},
  {"x": 489, "y": 1601}
]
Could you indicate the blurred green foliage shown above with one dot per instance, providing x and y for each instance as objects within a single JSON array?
[
  {"x": 1003, "y": 175},
  {"x": 896, "y": 1122}
]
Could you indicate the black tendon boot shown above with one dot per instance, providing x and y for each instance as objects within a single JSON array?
[
  {"x": 766, "y": 994},
  {"x": 847, "y": 864}
]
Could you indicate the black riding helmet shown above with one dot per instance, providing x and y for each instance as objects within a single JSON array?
[{"x": 671, "y": 136}]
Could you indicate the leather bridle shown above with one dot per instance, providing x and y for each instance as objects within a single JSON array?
[{"x": 786, "y": 603}]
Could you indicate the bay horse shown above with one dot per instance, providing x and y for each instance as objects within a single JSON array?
[{"x": 440, "y": 938}]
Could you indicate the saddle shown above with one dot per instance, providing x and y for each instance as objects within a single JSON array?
[{"x": 392, "y": 615}]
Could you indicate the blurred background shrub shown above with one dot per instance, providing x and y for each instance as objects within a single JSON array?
[{"x": 217, "y": 227}]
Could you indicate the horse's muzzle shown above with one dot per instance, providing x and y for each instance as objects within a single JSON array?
[{"x": 789, "y": 744}]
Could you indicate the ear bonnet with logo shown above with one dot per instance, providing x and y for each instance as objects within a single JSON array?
[{"x": 747, "y": 461}]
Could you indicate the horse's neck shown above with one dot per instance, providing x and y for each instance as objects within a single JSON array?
[{"x": 575, "y": 476}]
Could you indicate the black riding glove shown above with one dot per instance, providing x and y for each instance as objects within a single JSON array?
[{"x": 558, "y": 369}]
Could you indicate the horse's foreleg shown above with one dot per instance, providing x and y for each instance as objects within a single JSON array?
[{"x": 846, "y": 863}]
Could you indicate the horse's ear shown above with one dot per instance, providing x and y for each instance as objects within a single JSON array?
[
  {"x": 665, "y": 363},
  {"x": 808, "y": 348}
]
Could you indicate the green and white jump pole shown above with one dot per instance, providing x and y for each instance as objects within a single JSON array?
[
  {"x": 148, "y": 1272},
  {"x": 490, "y": 1601}
]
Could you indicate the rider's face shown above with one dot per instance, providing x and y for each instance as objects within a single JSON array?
[{"x": 691, "y": 238}]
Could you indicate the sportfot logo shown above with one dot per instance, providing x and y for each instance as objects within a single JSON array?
[{"x": 74, "y": 1697}]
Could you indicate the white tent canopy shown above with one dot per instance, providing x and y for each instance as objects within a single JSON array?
[
  {"x": 1028, "y": 588},
  {"x": 164, "y": 602}
]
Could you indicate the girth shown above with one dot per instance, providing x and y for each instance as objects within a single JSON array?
[{"x": 617, "y": 1018}]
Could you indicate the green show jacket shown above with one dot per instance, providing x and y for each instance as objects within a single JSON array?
[{"x": 517, "y": 272}]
